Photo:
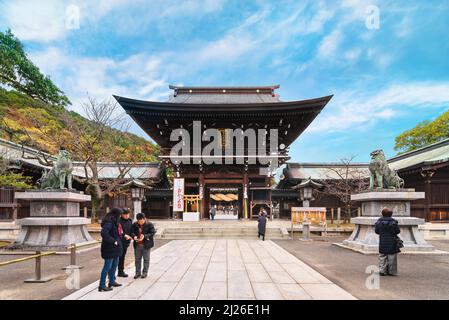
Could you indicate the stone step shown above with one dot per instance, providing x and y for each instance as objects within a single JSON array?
[
  {"x": 220, "y": 233},
  {"x": 253, "y": 234},
  {"x": 232, "y": 230},
  {"x": 209, "y": 232},
  {"x": 217, "y": 236}
]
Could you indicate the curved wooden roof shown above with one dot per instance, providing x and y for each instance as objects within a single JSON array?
[{"x": 157, "y": 119}]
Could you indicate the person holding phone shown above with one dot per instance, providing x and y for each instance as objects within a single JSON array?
[
  {"x": 142, "y": 232},
  {"x": 125, "y": 223}
]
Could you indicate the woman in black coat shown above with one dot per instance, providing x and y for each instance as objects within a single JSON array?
[
  {"x": 111, "y": 248},
  {"x": 388, "y": 229},
  {"x": 262, "y": 225}
]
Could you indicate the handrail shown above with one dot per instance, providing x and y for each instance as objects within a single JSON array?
[
  {"x": 34, "y": 256},
  {"x": 38, "y": 256},
  {"x": 4, "y": 244},
  {"x": 84, "y": 244}
]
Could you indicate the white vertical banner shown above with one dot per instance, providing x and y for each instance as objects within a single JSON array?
[
  {"x": 178, "y": 194},
  {"x": 201, "y": 191}
]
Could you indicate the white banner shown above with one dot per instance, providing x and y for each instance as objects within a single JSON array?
[{"x": 178, "y": 194}]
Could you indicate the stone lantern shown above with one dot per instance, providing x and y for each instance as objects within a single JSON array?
[
  {"x": 306, "y": 190},
  {"x": 306, "y": 195},
  {"x": 138, "y": 189}
]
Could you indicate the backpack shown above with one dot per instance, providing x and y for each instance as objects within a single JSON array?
[{"x": 399, "y": 243}]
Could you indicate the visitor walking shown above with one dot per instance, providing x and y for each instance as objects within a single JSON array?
[
  {"x": 142, "y": 232},
  {"x": 111, "y": 248},
  {"x": 262, "y": 211},
  {"x": 213, "y": 212},
  {"x": 262, "y": 224},
  {"x": 389, "y": 243},
  {"x": 125, "y": 224}
]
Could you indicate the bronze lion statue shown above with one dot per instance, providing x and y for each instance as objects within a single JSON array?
[
  {"x": 61, "y": 171},
  {"x": 381, "y": 175}
]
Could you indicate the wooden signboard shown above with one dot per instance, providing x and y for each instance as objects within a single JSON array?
[{"x": 313, "y": 215}]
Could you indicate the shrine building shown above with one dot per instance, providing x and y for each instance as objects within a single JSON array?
[{"x": 237, "y": 183}]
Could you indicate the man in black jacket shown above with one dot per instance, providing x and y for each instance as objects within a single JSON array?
[
  {"x": 388, "y": 229},
  {"x": 125, "y": 224},
  {"x": 142, "y": 232}
]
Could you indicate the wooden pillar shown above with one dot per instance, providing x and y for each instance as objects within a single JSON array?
[
  {"x": 332, "y": 215},
  {"x": 338, "y": 216},
  {"x": 427, "y": 175},
  {"x": 15, "y": 207},
  {"x": 202, "y": 192},
  {"x": 245, "y": 190}
]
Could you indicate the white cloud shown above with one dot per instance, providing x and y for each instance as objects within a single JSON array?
[
  {"x": 35, "y": 20},
  {"x": 189, "y": 7},
  {"x": 329, "y": 45},
  {"x": 137, "y": 76},
  {"x": 353, "y": 54},
  {"x": 381, "y": 58},
  {"x": 354, "y": 110},
  {"x": 45, "y": 20}
]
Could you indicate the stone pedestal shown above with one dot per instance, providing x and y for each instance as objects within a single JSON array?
[
  {"x": 54, "y": 221},
  {"x": 366, "y": 240},
  {"x": 305, "y": 231}
]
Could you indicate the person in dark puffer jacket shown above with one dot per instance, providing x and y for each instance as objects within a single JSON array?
[
  {"x": 125, "y": 223},
  {"x": 142, "y": 232},
  {"x": 388, "y": 229},
  {"x": 111, "y": 248}
]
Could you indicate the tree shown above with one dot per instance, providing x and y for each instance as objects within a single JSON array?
[
  {"x": 9, "y": 178},
  {"x": 343, "y": 180},
  {"x": 95, "y": 141},
  {"x": 18, "y": 72},
  {"x": 424, "y": 133}
]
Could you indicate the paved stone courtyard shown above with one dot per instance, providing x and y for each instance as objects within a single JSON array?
[{"x": 221, "y": 269}]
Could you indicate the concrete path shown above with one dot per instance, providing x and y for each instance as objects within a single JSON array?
[{"x": 221, "y": 269}]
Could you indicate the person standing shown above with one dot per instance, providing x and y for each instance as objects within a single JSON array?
[
  {"x": 142, "y": 232},
  {"x": 262, "y": 225},
  {"x": 213, "y": 211},
  {"x": 388, "y": 229},
  {"x": 111, "y": 248},
  {"x": 263, "y": 212},
  {"x": 125, "y": 224}
]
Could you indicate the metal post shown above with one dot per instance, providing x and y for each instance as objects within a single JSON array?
[
  {"x": 72, "y": 264},
  {"x": 38, "y": 271},
  {"x": 73, "y": 255}
]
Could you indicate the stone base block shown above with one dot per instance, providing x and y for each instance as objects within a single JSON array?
[
  {"x": 42, "y": 280},
  {"x": 435, "y": 231},
  {"x": 9, "y": 231},
  {"x": 365, "y": 239},
  {"x": 51, "y": 233}
]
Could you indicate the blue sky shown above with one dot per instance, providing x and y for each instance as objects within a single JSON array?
[{"x": 384, "y": 80}]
